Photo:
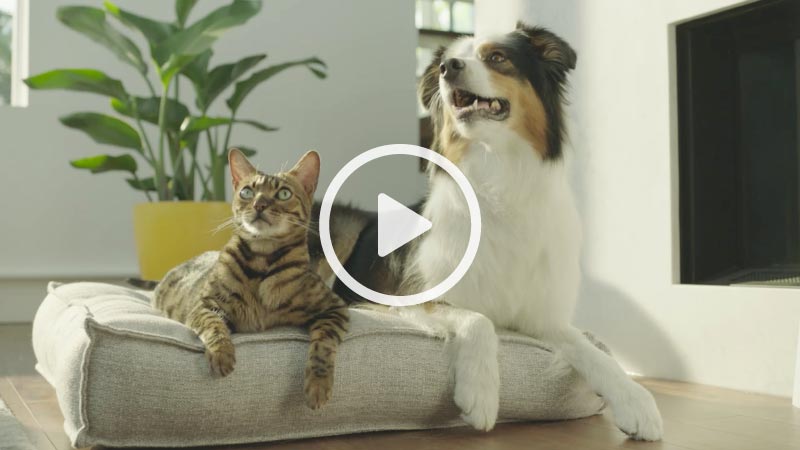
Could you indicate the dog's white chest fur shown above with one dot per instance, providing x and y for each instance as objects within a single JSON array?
[{"x": 526, "y": 272}]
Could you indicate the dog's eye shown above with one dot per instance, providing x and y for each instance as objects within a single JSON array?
[
  {"x": 497, "y": 57},
  {"x": 284, "y": 194},
  {"x": 246, "y": 193}
]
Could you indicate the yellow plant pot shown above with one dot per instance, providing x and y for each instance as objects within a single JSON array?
[{"x": 169, "y": 233}]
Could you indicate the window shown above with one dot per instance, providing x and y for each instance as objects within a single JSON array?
[
  {"x": 456, "y": 16},
  {"x": 439, "y": 23},
  {"x": 13, "y": 52}
]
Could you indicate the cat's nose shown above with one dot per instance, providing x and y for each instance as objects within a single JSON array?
[{"x": 260, "y": 204}]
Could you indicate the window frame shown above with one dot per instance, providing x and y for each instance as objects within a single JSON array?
[{"x": 19, "y": 54}]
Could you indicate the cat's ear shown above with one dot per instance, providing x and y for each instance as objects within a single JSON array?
[
  {"x": 307, "y": 171},
  {"x": 240, "y": 166}
]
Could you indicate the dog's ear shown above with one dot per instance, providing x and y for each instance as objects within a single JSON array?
[
  {"x": 553, "y": 50},
  {"x": 429, "y": 82}
]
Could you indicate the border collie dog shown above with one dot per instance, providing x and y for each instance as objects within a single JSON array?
[{"x": 497, "y": 109}]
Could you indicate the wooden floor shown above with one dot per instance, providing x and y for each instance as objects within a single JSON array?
[{"x": 695, "y": 417}]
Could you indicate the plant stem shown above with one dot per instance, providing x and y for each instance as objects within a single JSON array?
[
  {"x": 218, "y": 164},
  {"x": 164, "y": 193},
  {"x": 188, "y": 180},
  {"x": 179, "y": 184},
  {"x": 228, "y": 133},
  {"x": 218, "y": 179},
  {"x": 216, "y": 171},
  {"x": 150, "y": 157},
  {"x": 212, "y": 147},
  {"x": 203, "y": 180},
  {"x": 149, "y": 86}
]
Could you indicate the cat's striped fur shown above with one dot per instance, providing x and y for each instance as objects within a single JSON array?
[{"x": 261, "y": 278}]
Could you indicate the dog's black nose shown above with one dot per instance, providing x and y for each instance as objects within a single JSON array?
[{"x": 450, "y": 68}]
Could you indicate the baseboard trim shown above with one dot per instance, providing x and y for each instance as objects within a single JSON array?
[{"x": 20, "y": 298}]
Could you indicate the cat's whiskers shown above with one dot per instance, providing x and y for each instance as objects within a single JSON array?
[
  {"x": 225, "y": 224},
  {"x": 292, "y": 221}
]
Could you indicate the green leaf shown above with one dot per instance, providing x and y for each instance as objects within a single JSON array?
[
  {"x": 243, "y": 88},
  {"x": 199, "y": 37},
  {"x": 197, "y": 70},
  {"x": 104, "y": 129},
  {"x": 92, "y": 23},
  {"x": 106, "y": 163},
  {"x": 153, "y": 30},
  {"x": 189, "y": 142},
  {"x": 221, "y": 77},
  {"x": 256, "y": 124},
  {"x": 144, "y": 184},
  {"x": 249, "y": 152},
  {"x": 147, "y": 107},
  {"x": 173, "y": 66},
  {"x": 85, "y": 80},
  {"x": 182, "y": 10},
  {"x": 197, "y": 124}
]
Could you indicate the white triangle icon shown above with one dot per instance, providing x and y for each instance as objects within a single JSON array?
[{"x": 397, "y": 225}]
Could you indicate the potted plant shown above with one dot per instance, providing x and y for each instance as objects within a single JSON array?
[{"x": 183, "y": 147}]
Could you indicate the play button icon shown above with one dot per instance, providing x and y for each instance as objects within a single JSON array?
[{"x": 397, "y": 225}]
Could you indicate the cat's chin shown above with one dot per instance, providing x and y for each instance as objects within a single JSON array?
[{"x": 256, "y": 229}]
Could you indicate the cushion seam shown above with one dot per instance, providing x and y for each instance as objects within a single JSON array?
[
  {"x": 85, "y": 426},
  {"x": 522, "y": 339},
  {"x": 298, "y": 337}
]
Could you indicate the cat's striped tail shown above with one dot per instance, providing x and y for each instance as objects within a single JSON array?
[{"x": 148, "y": 285}]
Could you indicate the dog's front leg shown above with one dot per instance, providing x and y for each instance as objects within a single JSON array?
[
  {"x": 472, "y": 345},
  {"x": 635, "y": 411}
]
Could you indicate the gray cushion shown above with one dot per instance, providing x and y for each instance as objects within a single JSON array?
[{"x": 126, "y": 376}]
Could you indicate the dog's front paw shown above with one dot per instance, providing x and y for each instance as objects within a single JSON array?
[
  {"x": 636, "y": 414},
  {"x": 479, "y": 405},
  {"x": 477, "y": 395},
  {"x": 221, "y": 357}
]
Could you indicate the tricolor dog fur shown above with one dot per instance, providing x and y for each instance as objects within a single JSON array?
[{"x": 497, "y": 106}]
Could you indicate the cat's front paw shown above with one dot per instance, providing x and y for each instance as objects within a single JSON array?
[
  {"x": 221, "y": 358},
  {"x": 318, "y": 389}
]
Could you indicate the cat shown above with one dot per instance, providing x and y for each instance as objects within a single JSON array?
[{"x": 261, "y": 278}]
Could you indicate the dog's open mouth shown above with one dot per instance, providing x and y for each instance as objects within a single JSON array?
[{"x": 468, "y": 105}]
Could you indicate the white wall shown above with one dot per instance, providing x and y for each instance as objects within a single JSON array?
[
  {"x": 58, "y": 222},
  {"x": 743, "y": 338}
]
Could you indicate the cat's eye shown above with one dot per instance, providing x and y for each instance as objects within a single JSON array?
[
  {"x": 246, "y": 193},
  {"x": 284, "y": 194},
  {"x": 497, "y": 57}
]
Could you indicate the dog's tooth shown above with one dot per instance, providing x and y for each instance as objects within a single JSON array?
[
  {"x": 475, "y": 104},
  {"x": 495, "y": 105}
]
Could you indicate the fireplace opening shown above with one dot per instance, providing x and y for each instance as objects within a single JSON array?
[{"x": 738, "y": 74}]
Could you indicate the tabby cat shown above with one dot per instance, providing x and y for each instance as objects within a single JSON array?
[{"x": 261, "y": 278}]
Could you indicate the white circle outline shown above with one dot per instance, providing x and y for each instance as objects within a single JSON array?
[{"x": 474, "y": 216}]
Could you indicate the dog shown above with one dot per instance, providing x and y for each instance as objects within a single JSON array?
[{"x": 497, "y": 106}]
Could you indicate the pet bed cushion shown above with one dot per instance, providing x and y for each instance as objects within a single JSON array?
[{"x": 126, "y": 376}]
